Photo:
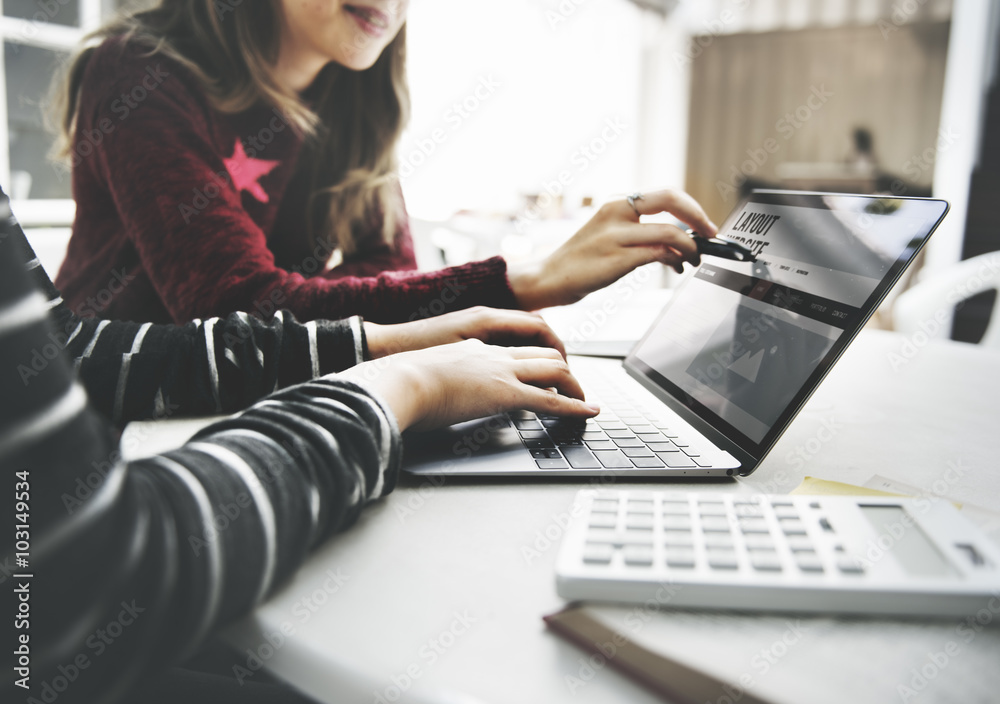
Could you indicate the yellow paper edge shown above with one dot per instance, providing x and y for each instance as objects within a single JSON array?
[{"x": 825, "y": 487}]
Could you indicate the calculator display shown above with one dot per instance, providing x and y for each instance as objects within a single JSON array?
[{"x": 899, "y": 534}]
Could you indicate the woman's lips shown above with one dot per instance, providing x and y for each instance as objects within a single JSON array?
[{"x": 371, "y": 21}]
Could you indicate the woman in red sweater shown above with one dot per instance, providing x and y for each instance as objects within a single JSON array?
[{"x": 224, "y": 151}]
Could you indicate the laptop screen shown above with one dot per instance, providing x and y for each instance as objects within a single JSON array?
[{"x": 742, "y": 345}]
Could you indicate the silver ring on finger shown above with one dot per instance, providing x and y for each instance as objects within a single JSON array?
[{"x": 631, "y": 201}]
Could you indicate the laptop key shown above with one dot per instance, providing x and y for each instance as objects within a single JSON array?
[
  {"x": 527, "y": 424},
  {"x": 539, "y": 454},
  {"x": 652, "y": 437},
  {"x": 628, "y": 442},
  {"x": 533, "y": 434},
  {"x": 663, "y": 447},
  {"x": 611, "y": 424},
  {"x": 647, "y": 462},
  {"x": 642, "y": 427},
  {"x": 638, "y": 452},
  {"x": 601, "y": 445},
  {"x": 593, "y": 435},
  {"x": 675, "y": 460},
  {"x": 552, "y": 464},
  {"x": 580, "y": 458},
  {"x": 613, "y": 459},
  {"x": 538, "y": 444},
  {"x": 614, "y": 433}
]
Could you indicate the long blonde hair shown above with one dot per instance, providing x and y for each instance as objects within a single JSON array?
[{"x": 348, "y": 162}]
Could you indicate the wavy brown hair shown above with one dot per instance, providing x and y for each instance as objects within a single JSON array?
[{"x": 351, "y": 125}]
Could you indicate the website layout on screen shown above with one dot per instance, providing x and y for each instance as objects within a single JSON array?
[{"x": 743, "y": 338}]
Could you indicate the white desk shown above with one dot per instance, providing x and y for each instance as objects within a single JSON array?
[{"x": 427, "y": 553}]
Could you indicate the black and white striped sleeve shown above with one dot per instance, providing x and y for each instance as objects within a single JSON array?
[
  {"x": 135, "y": 371},
  {"x": 127, "y": 569}
]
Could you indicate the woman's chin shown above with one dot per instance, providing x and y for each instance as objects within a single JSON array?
[{"x": 360, "y": 61}]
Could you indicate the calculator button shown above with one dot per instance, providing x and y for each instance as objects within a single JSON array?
[
  {"x": 765, "y": 561},
  {"x": 719, "y": 540},
  {"x": 680, "y": 557},
  {"x": 799, "y": 543},
  {"x": 603, "y": 520},
  {"x": 598, "y": 553},
  {"x": 786, "y": 512},
  {"x": 793, "y": 526},
  {"x": 825, "y": 525},
  {"x": 638, "y": 555},
  {"x": 639, "y": 521},
  {"x": 711, "y": 508},
  {"x": 715, "y": 524},
  {"x": 604, "y": 505},
  {"x": 747, "y": 509},
  {"x": 722, "y": 559},
  {"x": 678, "y": 538},
  {"x": 640, "y": 505},
  {"x": 808, "y": 561},
  {"x": 848, "y": 565},
  {"x": 677, "y": 522},
  {"x": 758, "y": 541},
  {"x": 754, "y": 525},
  {"x": 676, "y": 508}
]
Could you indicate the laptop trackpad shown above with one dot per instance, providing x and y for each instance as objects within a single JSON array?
[{"x": 487, "y": 439}]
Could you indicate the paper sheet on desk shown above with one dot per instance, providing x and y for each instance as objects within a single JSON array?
[
  {"x": 607, "y": 323},
  {"x": 794, "y": 659},
  {"x": 814, "y": 485}
]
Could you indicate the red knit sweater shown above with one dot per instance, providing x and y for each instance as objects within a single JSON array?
[{"x": 176, "y": 203}]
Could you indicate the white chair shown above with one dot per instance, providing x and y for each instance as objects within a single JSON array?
[{"x": 928, "y": 306}]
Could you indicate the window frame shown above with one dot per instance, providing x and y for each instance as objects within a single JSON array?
[{"x": 55, "y": 37}]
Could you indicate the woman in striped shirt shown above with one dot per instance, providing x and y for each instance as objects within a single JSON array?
[{"x": 301, "y": 464}]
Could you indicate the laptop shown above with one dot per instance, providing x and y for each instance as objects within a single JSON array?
[{"x": 732, "y": 358}]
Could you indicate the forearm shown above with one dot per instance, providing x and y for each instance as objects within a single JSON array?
[
  {"x": 170, "y": 548},
  {"x": 218, "y": 365}
]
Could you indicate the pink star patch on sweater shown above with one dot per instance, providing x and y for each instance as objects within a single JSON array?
[{"x": 247, "y": 172}]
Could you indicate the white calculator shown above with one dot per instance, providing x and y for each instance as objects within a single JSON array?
[{"x": 823, "y": 554}]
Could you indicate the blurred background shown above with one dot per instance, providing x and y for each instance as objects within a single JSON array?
[{"x": 529, "y": 113}]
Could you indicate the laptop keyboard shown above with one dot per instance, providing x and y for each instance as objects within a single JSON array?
[{"x": 623, "y": 436}]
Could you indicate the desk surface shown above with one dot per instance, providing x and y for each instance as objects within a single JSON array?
[{"x": 446, "y": 584}]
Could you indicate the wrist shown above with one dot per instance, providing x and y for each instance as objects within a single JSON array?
[
  {"x": 376, "y": 337},
  {"x": 398, "y": 384},
  {"x": 525, "y": 281}
]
